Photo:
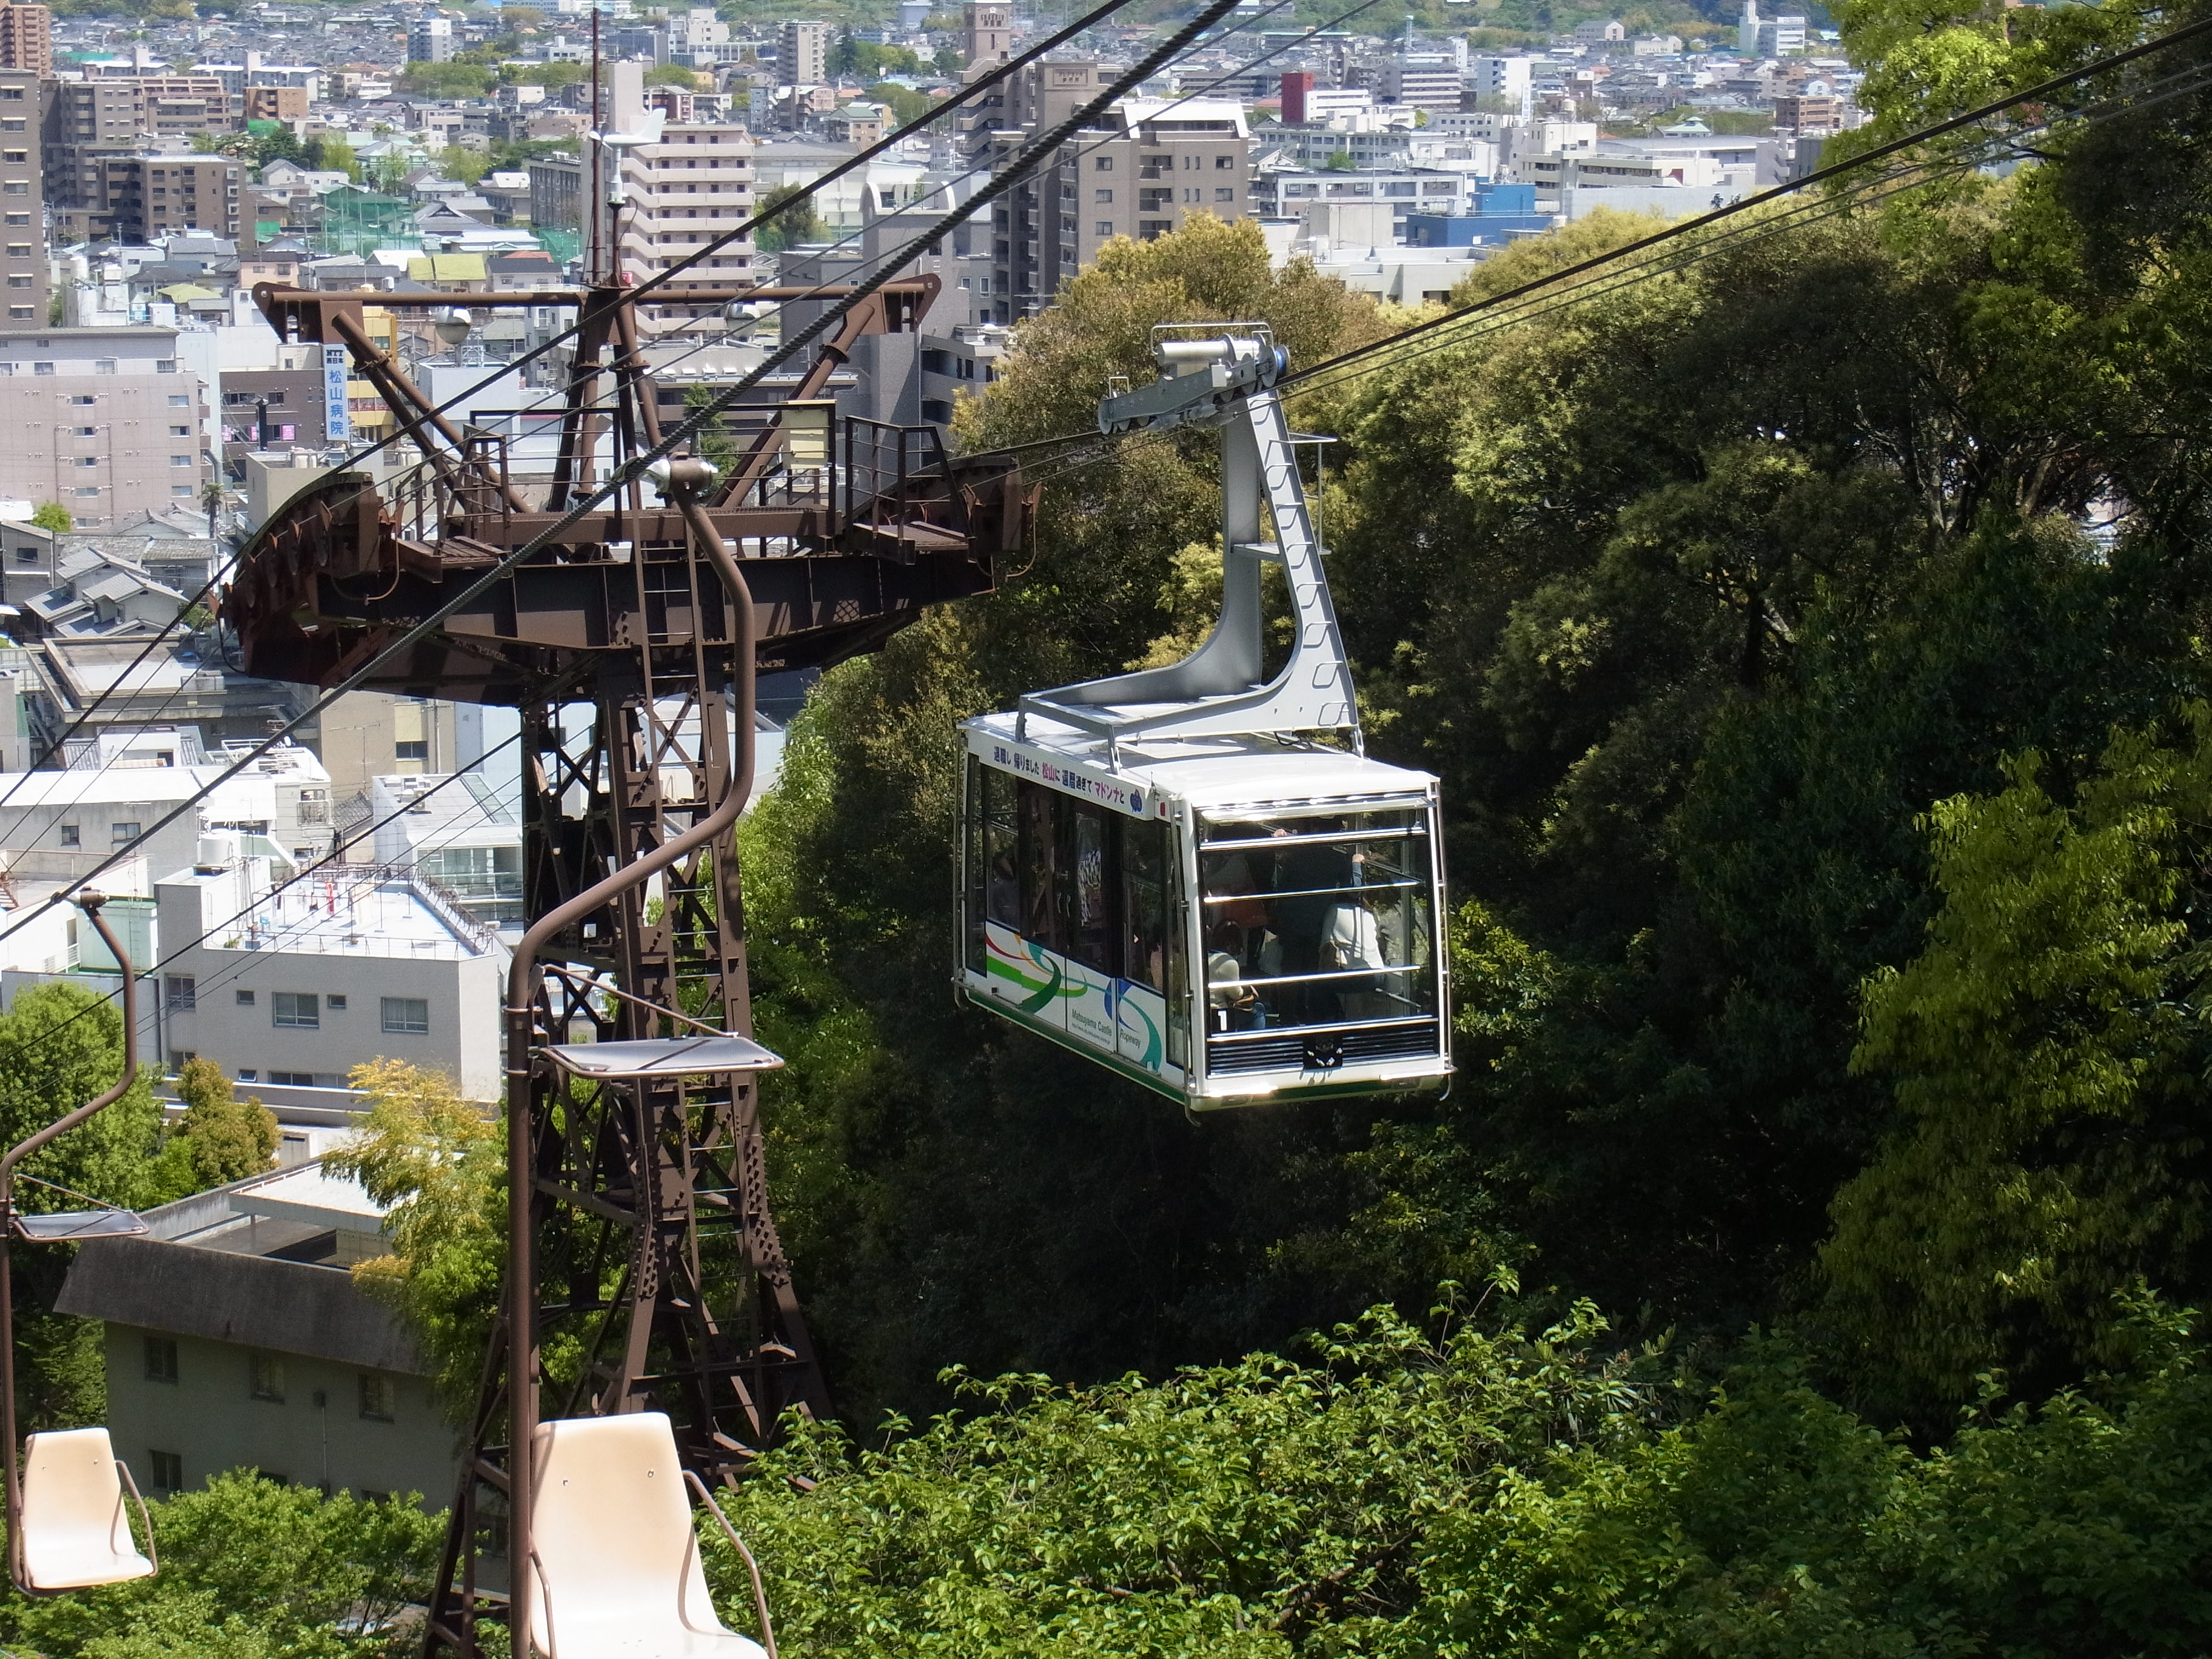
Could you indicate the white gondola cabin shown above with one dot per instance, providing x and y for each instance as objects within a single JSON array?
[{"x": 1167, "y": 871}]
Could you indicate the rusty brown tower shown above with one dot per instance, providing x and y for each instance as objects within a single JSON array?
[{"x": 644, "y": 1268}]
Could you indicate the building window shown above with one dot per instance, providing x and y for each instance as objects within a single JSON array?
[
  {"x": 165, "y": 365},
  {"x": 69, "y": 836},
  {"x": 1223, "y": 163},
  {"x": 1226, "y": 193},
  {"x": 123, "y": 834},
  {"x": 103, "y": 365},
  {"x": 179, "y": 400},
  {"x": 1104, "y": 164},
  {"x": 180, "y": 490},
  {"x": 1104, "y": 228},
  {"x": 42, "y": 369},
  {"x": 14, "y": 310},
  {"x": 337, "y": 1003},
  {"x": 167, "y": 1471},
  {"x": 376, "y": 1397},
  {"x": 182, "y": 992},
  {"x": 408, "y": 1016},
  {"x": 19, "y": 281},
  {"x": 292, "y": 1079},
  {"x": 417, "y": 749},
  {"x": 87, "y": 491},
  {"x": 297, "y": 1010},
  {"x": 265, "y": 1377},
  {"x": 245, "y": 1000},
  {"x": 1103, "y": 197},
  {"x": 160, "y": 1359}
]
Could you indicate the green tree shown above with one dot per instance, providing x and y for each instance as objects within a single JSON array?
[
  {"x": 793, "y": 228},
  {"x": 905, "y": 103},
  {"x": 2047, "y": 1051},
  {"x": 61, "y": 1046},
  {"x": 223, "y": 1138},
  {"x": 446, "y": 80},
  {"x": 468, "y": 166},
  {"x": 252, "y": 1568},
  {"x": 438, "y": 1165},
  {"x": 53, "y": 515},
  {"x": 337, "y": 157},
  {"x": 672, "y": 74}
]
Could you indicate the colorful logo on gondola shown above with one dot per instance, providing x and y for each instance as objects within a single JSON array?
[
  {"x": 1140, "y": 1031},
  {"x": 1037, "y": 978}
]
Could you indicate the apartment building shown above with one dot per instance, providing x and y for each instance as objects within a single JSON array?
[
  {"x": 276, "y": 103},
  {"x": 143, "y": 196},
  {"x": 119, "y": 792},
  {"x": 104, "y": 422},
  {"x": 1149, "y": 166},
  {"x": 367, "y": 735},
  {"x": 26, "y": 39},
  {"x": 685, "y": 190},
  {"x": 23, "y": 269},
  {"x": 84, "y": 124},
  {"x": 175, "y": 105},
  {"x": 430, "y": 40},
  {"x": 803, "y": 52}
]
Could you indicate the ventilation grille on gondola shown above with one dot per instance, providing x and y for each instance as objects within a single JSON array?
[{"x": 1320, "y": 1051}]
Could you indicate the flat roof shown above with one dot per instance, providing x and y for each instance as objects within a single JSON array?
[{"x": 1206, "y": 773}]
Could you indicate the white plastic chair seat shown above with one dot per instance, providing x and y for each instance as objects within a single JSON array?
[
  {"x": 76, "y": 1533},
  {"x": 617, "y": 1556}
]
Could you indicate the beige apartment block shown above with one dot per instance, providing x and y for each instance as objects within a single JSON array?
[
  {"x": 693, "y": 185},
  {"x": 367, "y": 735},
  {"x": 105, "y": 422}
]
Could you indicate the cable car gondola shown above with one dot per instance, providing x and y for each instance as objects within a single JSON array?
[{"x": 1169, "y": 870}]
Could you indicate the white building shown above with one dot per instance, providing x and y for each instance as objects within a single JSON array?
[
  {"x": 60, "y": 824},
  {"x": 296, "y": 988},
  {"x": 1506, "y": 78},
  {"x": 455, "y": 831}
]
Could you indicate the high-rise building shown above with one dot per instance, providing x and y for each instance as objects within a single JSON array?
[
  {"x": 22, "y": 235},
  {"x": 683, "y": 191},
  {"x": 430, "y": 40},
  {"x": 1148, "y": 167},
  {"x": 803, "y": 53},
  {"x": 1295, "y": 85},
  {"x": 1499, "y": 80},
  {"x": 26, "y": 39},
  {"x": 986, "y": 31}
]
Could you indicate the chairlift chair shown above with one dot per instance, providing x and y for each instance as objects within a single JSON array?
[
  {"x": 1170, "y": 871},
  {"x": 67, "y": 1525},
  {"x": 616, "y": 1552}
]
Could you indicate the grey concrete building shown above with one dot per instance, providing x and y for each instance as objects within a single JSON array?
[
  {"x": 105, "y": 421},
  {"x": 235, "y": 1339}
]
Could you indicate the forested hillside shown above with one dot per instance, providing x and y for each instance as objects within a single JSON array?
[{"x": 1812, "y": 642}]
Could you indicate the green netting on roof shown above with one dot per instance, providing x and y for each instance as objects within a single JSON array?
[
  {"x": 355, "y": 221},
  {"x": 562, "y": 244}
]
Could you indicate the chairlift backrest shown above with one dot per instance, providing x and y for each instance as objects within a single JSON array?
[
  {"x": 76, "y": 1532},
  {"x": 618, "y": 1565}
]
